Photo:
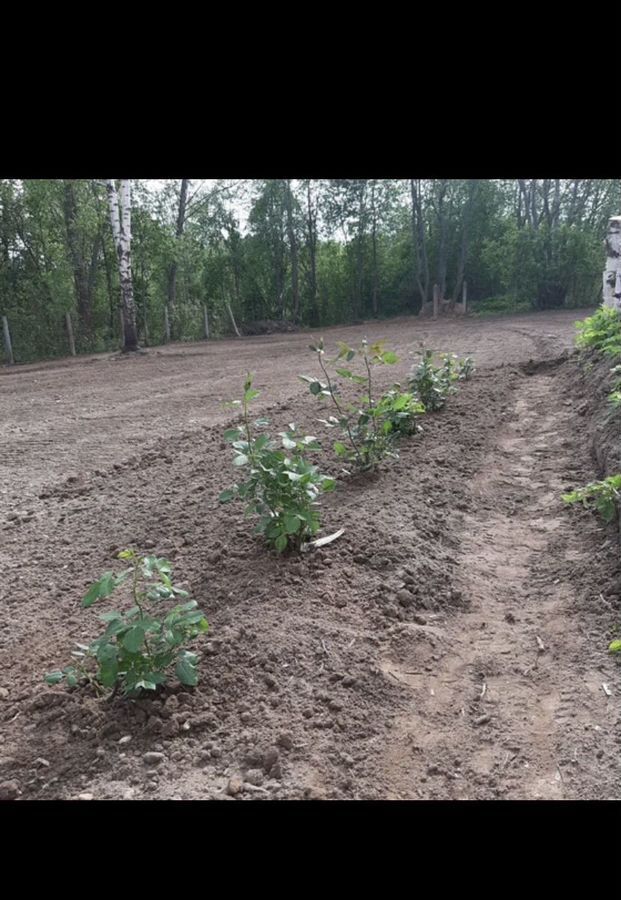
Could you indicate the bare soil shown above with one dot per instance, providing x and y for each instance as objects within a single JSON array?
[{"x": 451, "y": 645}]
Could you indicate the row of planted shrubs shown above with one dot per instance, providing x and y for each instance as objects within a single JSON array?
[{"x": 281, "y": 488}]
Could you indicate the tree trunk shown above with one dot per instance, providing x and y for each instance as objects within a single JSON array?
[
  {"x": 375, "y": 289},
  {"x": 311, "y": 223},
  {"x": 111, "y": 298},
  {"x": 172, "y": 271},
  {"x": 464, "y": 243},
  {"x": 83, "y": 276},
  {"x": 420, "y": 245},
  {"x": 8, "y": 347},
  {"x": 70, "y": 333},
  {"x": 443, "y": 247},
  {"x": 612, "y": 272},
  {"x": 120, "y": 219},
  {"x": 293, "y": 250}
]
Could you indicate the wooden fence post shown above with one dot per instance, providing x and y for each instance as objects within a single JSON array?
[
  {"x": 166, "y": 325},
  {"x": 206, "y": 322},
  {"x": 7, "y": 341},
  {"x": 70, "y": 333},
  {"x": 145, "y": 324},
  {"x": 228, "y": 306},
  {"x": 436, "y": 300}
]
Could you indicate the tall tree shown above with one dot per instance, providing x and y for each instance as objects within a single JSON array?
[
  {"x": 293, "y": 253},
  {"x": 420, "y": 240},
  {"x": 121, "y": 221},
  {"x": 172, "y": 272}
]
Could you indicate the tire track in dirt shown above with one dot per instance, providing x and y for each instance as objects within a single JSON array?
[{"x": 515, "y": 707}]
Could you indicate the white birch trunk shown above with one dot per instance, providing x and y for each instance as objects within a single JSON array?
[
  {"x": 612, "y": 272},
  {"x": 120, "y": 219}
]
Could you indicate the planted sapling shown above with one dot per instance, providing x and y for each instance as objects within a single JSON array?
[
  {"x": 137, "y": 648},
  {"x": 371, "y": 426},
  {"x": 281, "y": 486},
  {"x": 432, "y": 385}
]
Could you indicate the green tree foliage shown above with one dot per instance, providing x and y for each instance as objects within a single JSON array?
[{"x": 317, "y": 252}]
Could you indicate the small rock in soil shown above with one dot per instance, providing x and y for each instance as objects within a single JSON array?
[
  {"x": 404, "y": 597},
  {"x": 314, "y": 794},
  {"x": 285, "y": 741},
  {"x": 125, "y": 739},
  {"x": 270, "y": 759},
  {"x": 9, "y": 790},
  {"x": 253, "y": 758},
  {"x": 235, "y": 785},
  {"x": 86, "y": 796},
  {"x": 154, "y": 759},
  {"x": 3, "y": 693},
  {"x": 42, "y": 762},
  {"x": 254, "y": 776},
  {"x": 482, "y": 720}
]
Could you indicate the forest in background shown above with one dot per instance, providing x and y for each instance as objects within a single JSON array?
[{"x": 306, "y": 252}]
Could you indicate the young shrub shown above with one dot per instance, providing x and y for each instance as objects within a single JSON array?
[
  {"x": 432, "y": 385},
  {"x": 399, "y": 412},
  {"x": 601, "y": 331},
  {"x": 138, "y": 647},
  {"x": 281, "y": 487},
  {"x": 465, "y": 368},
  {"x": 615, "y": 395},
  {"x": 600, "y": 495},
  {"x": 370, "y": 427}
]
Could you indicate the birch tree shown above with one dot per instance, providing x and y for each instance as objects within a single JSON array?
[
  {"x": 119, "y": 203},
  {"x": 612, "y": 272}
]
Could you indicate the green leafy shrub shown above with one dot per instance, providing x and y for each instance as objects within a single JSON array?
[
  {"x": 494, "y": 306},
  {"x": 434, "y": 384},
  {"x": 282, "y": 487},
  {"x": 371, "y": 426},
  {"x": 615, "y": 394},
  {"x": 137, "y": 648},
  {"x": 601, "y": 495},
  {"x": 601, "y": 331},
  {"x": 399, "y": 412}
]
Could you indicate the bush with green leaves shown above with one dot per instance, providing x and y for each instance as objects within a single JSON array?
[
  {"x": 399, "y": 411},
  {"x": 615, "y": 395},
  {"x": 371, "y": 425},
  {"x": 600, "y": 495},
  {"x": 281, "y": 487},
  {"x": 434, "y": 384},
  {"x": 601, "y": 331},
  {"x": 138, "y": 647}
]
